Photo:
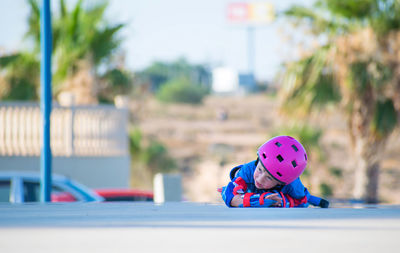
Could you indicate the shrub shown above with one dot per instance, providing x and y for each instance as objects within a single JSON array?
[
  {"x": 157, "y": 159},
  {"x": 181, "y": 91},
  {"x": 335, "y": 171},
  {"x": 326, "y": 189},
  {"x": 308, "y": 136},
  {"x": 152, "y": 154}
]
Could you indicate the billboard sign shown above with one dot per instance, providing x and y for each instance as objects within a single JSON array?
[{"x": 257, "y": 13}]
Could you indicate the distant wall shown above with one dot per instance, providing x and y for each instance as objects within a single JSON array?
[
  {"x": 88, "y": 143},
  {"x": 99, "y": 130}
]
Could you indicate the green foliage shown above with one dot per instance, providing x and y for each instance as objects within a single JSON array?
[
  {"x": 6, "y": 60},
  {"x": 116, "y": 81},
  {"x": 349, "y": 9},
  {"x": 34, "y": 25},
  {"x": 160, "y": 73},
  {"x": 78, "y": 34},
  {"x": 361, "y": 62},
  {"x": 21, "y": 77},
  {"x": 156, "y": 74},
  {"x": 308, "y": 136},
  {"x": 135, "y": 142},
  {"x": 104, "y": 42},
  {"x": 120, "y": 79},
  {"x": 385, "y": 118},
  {"x": 153, "y": 154},
  {"x": 181, "y": 91},
  {"x": 307, "y": 83},
  {"x": 157, "y": 159},
  {"x": 368, "y": 74},
  {"x": 306, "y": 173},
  {"x": 337, "y": 16},
  {"x": 22, "y": 89},
  {"x": 336, "y": 172},
  {"x": 326, "y": 190},
  {"x": 314, "y": 20},
  {"x": 359, "y": 78},
  {"x": 386, "y": 16}
]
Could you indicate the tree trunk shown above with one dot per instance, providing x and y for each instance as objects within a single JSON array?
[
  {"x": 366, "y": 181},
  {"x": 368, "y": 148},
  {"x": 368, "y": 157},
  {"x": 83, "y": 84},
  {"x": 372, "y": 183}
]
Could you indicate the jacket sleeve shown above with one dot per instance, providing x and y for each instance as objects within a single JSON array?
[
  {"x": 299, "y": 196},
  {"x": 235, "y": 187},
  {"x": 295, "y": 189},
  {"x": 288, "y": 201},
  {"x": 295, "y": 194},
  {"x": 246, "y": 172},
  {"x": 234, "y": 172}
]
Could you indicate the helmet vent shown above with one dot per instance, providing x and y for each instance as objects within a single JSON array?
[
  {"x": 278, "y": 144},
  {"x": 305, "y": 156},
  {"x": 295, "y": 148},
  {"x": 294, "y": 164},
  {"x": 279, "y": 174},
  {"x": 280, "y": 158},
  {"x": 264, "y": 156}
]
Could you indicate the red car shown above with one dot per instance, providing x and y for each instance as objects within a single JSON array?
[{"x": 125, "y": 194}]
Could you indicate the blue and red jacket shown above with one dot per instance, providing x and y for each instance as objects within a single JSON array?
[{"x": 293, "y": 194}]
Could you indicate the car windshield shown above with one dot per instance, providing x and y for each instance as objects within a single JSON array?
[
  {"x": 85, "y": 191},
  {"x": 32, "y": 191},
  {"x": 5, "y": 189}
]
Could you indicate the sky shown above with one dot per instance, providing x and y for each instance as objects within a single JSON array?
[{"x": 165, "y": 30}]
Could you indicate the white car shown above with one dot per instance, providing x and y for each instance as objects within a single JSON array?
[{"x": 22, "y": 187}]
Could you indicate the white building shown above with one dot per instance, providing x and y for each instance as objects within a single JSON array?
[
  {"x": 228, "y": 81},
  {"x": 225, "y": 80}
]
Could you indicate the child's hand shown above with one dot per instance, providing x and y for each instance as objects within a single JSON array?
[
  {"x": 227, "y": 193},
  {"x": 237, "y": 200},
  {"x": 276, "y": 197},
  {"x": 257, "y": 200}
]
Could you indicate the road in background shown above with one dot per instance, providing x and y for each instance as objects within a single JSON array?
[{"x": 189, "y": 227}]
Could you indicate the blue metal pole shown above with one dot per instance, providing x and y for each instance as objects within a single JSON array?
[{"x": 45, "y": 100}]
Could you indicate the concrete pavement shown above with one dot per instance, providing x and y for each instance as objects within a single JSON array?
[{"x": 190, "y": 227}]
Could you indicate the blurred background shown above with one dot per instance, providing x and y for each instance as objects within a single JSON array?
[{"x": 193, "y": 88}]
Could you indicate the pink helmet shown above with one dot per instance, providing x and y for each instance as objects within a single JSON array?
[{"x": 283, "y": 157}]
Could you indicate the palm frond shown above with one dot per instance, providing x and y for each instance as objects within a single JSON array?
[
  {"x": 63, "y": 9},
  {"x": 385, "y": 118},
  {"x": 319, "y": 23},
  {"x": 349, "y": 9},
  {"x": 74, "y": 21},
  {"x": 309, "y": 84},
  {"x": 95, "y": 13},
  {"x": 6, "y": 60},
  {"x": 34, "y": 23},
  {"x": 104, "y": 42}
]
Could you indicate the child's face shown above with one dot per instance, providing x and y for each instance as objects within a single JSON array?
[{"x": 263, "y": 179}]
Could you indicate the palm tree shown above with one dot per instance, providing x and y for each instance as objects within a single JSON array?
[
  {"x": 359, "y": 66},
  {"x": 19, "y": 76},
  {"x": 83, "y": 42}
]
